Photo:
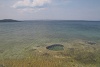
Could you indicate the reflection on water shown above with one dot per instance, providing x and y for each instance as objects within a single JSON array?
[{"x": 21, "y": 42}]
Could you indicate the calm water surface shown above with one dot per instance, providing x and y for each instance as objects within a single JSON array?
[{"x": 14, "y": 36}]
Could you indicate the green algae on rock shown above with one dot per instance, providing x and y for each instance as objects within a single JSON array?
[{"x": 55, "y": 47}]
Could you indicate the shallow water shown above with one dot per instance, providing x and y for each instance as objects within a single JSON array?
[
  {"x": 18, "y": 37},
  {"x": 21, "y": 34}
]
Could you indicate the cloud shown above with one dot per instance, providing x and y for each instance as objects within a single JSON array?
[
  {"x": 36, "y": 5},
  {"x": 31, "y": 4}
]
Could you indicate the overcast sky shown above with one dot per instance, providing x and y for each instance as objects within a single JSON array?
[{"x": 50, "y": 9}]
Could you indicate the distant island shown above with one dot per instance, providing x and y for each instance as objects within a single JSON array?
[
  {"x": 12, "y": 20},
  {"x": 9, "y": 20}
]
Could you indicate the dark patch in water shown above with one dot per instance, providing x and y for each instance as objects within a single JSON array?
[
  {"x": 91, "y": 43},
  {"x": 46, "y": 54},
  {"x": 37, "y": 46},
  {"x": 55, "y": 47},
  {"x": 2, "y": 65},
  {"x": 1, "y": 51}
]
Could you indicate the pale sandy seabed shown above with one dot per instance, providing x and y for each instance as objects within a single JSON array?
[{"x": 76, "y": 53}]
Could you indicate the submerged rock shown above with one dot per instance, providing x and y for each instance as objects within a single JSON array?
[
  {"x": 2, "y": 65},
  {"x": 55, "y": 47},
  {"x": 1, "y": 51},
  {"x": 91, "y": 43}
]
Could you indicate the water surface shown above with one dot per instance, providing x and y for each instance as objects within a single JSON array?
[{"x": 17, "y": 37}]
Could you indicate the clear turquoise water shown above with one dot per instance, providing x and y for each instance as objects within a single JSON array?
[{"x": 15, "y": 36}]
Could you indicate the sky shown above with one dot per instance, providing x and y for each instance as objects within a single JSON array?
[{"x": 50, "y": 9}]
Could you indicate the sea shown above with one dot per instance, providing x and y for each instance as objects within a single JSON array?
[{"x": 15, "y": 37}]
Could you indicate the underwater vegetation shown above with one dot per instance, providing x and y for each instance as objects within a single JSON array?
[{"x": 81, "y": 54}]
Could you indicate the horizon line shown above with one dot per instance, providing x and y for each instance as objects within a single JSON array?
[{"x": 49, "y": 20}]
